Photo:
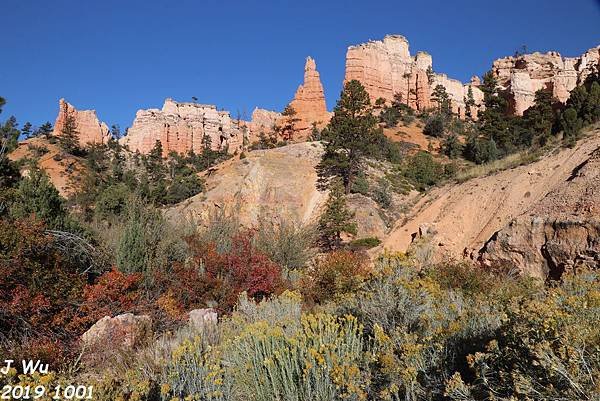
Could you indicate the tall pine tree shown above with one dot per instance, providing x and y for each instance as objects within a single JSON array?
[
  {"x": 349, "y": 136},
  {"x": 68, "y": 139}
]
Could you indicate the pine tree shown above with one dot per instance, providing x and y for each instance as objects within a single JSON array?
[
  {"x": 440, "y": 96},
  {"x": 288, "y": 129},
  {"x": 2, "y": 103},
  {"x": 469, "y": 102},
  {"x": 349, "y": 136},
  {"x": 494, "y": 122},
  {"x": 539, "y": 118},
  {"x": 68, "y": 138},
  {"x": 336, "y": 219}
]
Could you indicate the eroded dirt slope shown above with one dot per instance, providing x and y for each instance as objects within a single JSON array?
[{"x": 466, "y": 215}]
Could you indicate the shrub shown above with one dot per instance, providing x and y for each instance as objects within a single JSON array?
[
  {"x": 435, "y": 126},
  {"x": 335, "y": 274},
  {"x": 365, "y": 243},
  {"x": 452, "y": 147},
  {"x": 390, "y": 117},
  {"x": 112, "y": 201},
  {"x": 286, "y": 243},
  {"x": 423, "y": 171},
  {"x": 480, "y": 150}
]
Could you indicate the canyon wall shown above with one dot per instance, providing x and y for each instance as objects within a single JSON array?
[
  {"x": 90, "y": 129},
  {"x": 523, "y": 75},
  {"x": 182, "y": 127},
  {"x": 386, "y": 68}
]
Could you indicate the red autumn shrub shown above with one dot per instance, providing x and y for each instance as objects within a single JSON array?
[
  {"x": 38, "y": 291},
  {"x": 113, "y": 293},
  {"x": 243, "y": 268}
]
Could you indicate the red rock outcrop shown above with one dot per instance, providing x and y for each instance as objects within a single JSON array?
[
  {"x": 309, "y": 100},
  {"x": 525, "y": 74},
  {"x": 386, "y": 68},
  {"x": 263, "y": 122},
  {"x": 182, "y": 127},
  {"x": 90, "y": 129}
]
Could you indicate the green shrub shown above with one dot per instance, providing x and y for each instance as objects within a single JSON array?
[
  {"x": 365, "y": 243},
  {"x": 435, "y": 126},
  {"x": 423, "y": 171},
  {"x": 286, "y": 243}
]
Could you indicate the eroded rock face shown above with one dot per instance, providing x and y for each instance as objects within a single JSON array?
[
  {"x": 127, "y": 330},
  {"x": 89, "y": 128},
  {"x": 386, "y": 68},
  {"x": 309, "y": 100},
  {"x": 523, "y": 75},
  {"x": 182, "y": 127},
  {"x": 558, "y": 234}
]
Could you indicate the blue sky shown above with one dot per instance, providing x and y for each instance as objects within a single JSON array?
[{"x": 120, "y": 56}]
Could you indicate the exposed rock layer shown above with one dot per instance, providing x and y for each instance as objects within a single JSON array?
[
  {"x": 467, "y": 215},
  {"x": 386, "y": 68},
  {"x": 558, "y": 234},
  {"x": 125, "y": 330},
  {"x": 90, "y": 130},
  {"x": 523, "y": 75},
  {"x": 182, "y": 127},
  {"x": 273, "y": 185},
  {"x": 309, "y": 100}
]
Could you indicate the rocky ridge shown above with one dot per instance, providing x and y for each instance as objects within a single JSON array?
[
  {"x": 523, "y": 75},
  {"x": 386, "y": 67}
]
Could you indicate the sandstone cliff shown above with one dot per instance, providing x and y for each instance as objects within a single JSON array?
[
  {"x": 182, "y": 127},
  {"x": 386, "y": 68},
  {"x": 309, "y": 101},
  {"x": 523, "y": 75},
  {"x": 90, "y": 129}
]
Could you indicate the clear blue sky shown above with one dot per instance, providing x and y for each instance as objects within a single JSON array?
[{"x": 120, "y": 56}]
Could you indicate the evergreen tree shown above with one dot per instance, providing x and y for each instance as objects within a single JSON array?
[
  {"x": 2, "y": 103},
  {"x": 440, "y": 96},
  {"x": 36, "y": 195},
  {"x": 9, "y": 135},
  {"x": 154, "y": 163},
  {"x": 571, "y": 124},
  {"x": 68, "y": 138},
  {"x": 336, "y": 219},
  {"x": 349, "y": 136},
  {"x": 430, "y": 74},
  {"x": 539, "y": 119},
  {"x": 289, "y": 123},
  {"x": 26, "y": 130},
  {"x": 494, "y": 122},
  {"x": 469, "y": 102},
  {"x": 44, "y": 130}
]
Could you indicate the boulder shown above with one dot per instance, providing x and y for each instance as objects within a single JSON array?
[
  {"x": 127, "y": 330},
  {"x": 199, "y": 318}
]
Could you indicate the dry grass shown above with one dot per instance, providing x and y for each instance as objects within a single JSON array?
[{"x": 510, "y": 161}]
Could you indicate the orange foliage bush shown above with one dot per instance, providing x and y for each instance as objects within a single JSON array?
[{"x": 336, "y": 273}]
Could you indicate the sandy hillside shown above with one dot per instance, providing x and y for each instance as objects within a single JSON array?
[
  {"x": 62, "y": 172},
  {"x": 466, "y": 215}
]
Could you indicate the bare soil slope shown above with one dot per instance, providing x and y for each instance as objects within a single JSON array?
[
  {"x": 62, "y": 169},
  {"x": 466, "y": 215}
]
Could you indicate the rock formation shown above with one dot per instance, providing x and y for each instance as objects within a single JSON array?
[
  {"x": 182, "y": 127},
  {"x": 559, "y": 234},
  {"x": 125, "y": 330},
  {"x": 273, "y": 185},
  {"x": 523, "y": 75},
  {"x": 386, "y": 68},
  {"x": 89, "y": 128},
  {"x": 309, "y": 100},
  {"x": 263, "y": 121},
  {"x": 201, "y": 318}
]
